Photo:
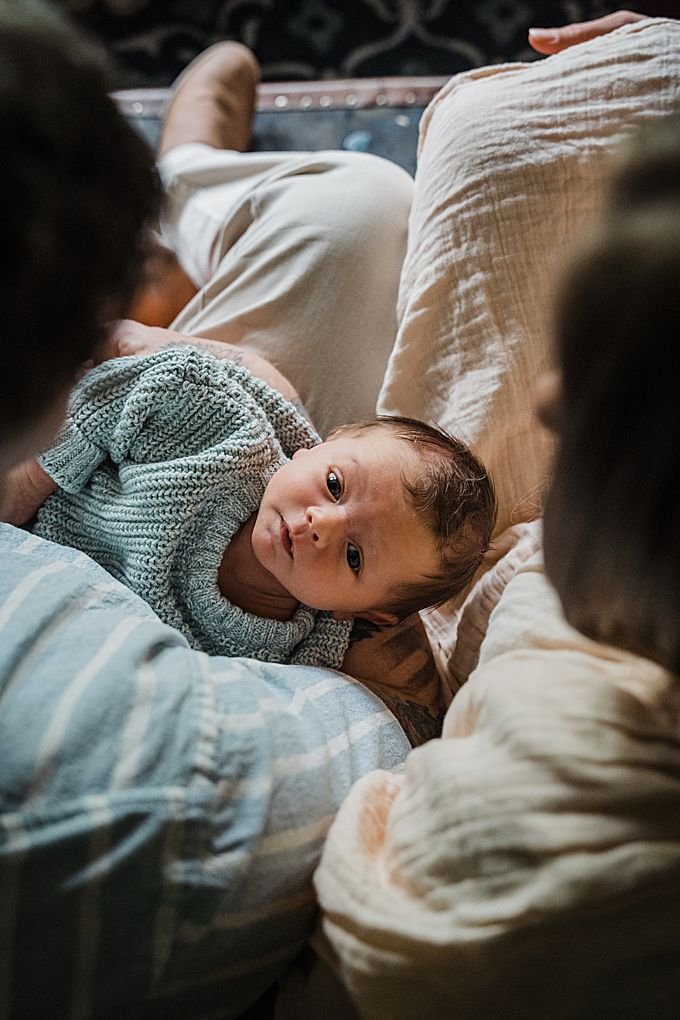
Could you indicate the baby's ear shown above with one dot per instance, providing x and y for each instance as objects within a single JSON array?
[{"x": 298, "y": 453}]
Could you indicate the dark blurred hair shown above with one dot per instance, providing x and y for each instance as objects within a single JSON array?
[
  {"x": 76, "y": 187},
  {"x": 612, "y": 521},
  {"x": 646, "y": 172},
  {"x": 454, "y": 496}
]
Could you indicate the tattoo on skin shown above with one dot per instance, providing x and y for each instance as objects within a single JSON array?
[
  {"x": 362, "y": 629},
  {"x": 220, "y": 350},
  {"x": 396, "y": 663},
  {"x": 417, "y": 721}
]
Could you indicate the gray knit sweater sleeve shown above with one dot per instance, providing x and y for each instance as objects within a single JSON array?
[
  {"x": 134, "y": 409},
  {"x": 148, "y": 409},
  {"x": 109, "y": 412},
  {"x": 160, "y": 461}
]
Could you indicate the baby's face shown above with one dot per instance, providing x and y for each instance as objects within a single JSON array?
[{"x": 335, "y": 528}]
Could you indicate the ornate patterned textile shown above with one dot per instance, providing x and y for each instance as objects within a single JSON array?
[{"x": 312, "y": 39}]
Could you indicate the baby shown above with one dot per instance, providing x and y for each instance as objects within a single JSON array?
[{"x": 206, "y": 492}]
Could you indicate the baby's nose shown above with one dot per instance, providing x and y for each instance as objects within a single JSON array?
[{"x": 322, "y": 523}]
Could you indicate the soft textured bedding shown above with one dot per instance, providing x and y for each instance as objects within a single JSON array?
[
  {"x": 548, "y": 798},
  {"x": 549, "y": 808},
  {"x": 510, "y": 171},
  {"x": 510, "y": 165}
]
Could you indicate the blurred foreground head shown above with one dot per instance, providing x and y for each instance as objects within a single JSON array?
[
  {"x": 612, "y": 521},
  {"x": 76, "y": 187}
]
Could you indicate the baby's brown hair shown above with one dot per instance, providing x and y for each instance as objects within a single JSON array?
[{"x": 455, "y": 497}]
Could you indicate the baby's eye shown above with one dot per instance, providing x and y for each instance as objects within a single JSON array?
[
  {"x": 334, "y": 485},
  {"x": 353, "y": 558}
]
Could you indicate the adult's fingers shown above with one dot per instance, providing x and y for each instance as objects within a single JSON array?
[
  {"x": 553, "y": 40},
  {"x": 126, "y": 337}
]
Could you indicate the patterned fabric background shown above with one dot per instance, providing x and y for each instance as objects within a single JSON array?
[{"x": 152, "y": 40}]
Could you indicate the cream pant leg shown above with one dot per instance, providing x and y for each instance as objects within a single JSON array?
[{"x": 297, "y": 257}]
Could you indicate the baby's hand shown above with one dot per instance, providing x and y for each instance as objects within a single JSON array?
[{"x": 26, "y": 489}]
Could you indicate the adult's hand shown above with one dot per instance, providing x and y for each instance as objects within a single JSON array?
[
  {"x": 134, "y": 338},
  {"x": 26, "y": 488},
  {"x": 130, "y": 337},
  {"x": 554, "y": 40}
]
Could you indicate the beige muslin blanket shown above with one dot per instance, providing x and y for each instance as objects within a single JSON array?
[{"x": 528, "y": 863}]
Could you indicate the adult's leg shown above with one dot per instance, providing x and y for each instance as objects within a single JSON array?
[
  {"x": 296, "y": 256},
  {"x": 213, "y": 102}
]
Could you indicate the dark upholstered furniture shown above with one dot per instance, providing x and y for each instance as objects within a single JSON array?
[{"x": 378, "y": 115}]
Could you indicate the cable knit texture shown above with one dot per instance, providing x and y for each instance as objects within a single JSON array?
[{"x": 160, "y": 462}]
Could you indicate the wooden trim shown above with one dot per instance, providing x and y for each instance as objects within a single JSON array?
[
  {"x": 347, "y": 93},
  {"x": 337, "y": 94}
]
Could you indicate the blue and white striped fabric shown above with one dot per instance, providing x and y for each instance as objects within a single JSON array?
[{"x": 162, "y": 812}]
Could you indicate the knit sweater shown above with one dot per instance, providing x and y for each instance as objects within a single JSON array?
[{"x": 159, "y": 463}]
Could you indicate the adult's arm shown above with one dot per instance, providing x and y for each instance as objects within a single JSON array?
[
  {"x": 131, "y": 338},
  {"x": 161, "y": 812},
  {"x": 554, "y": 40},
  {"x": 24, "y": 491},
  {"x": 398, "y": 665}
]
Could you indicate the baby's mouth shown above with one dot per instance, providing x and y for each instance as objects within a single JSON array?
[{"x": 284, "y": 535}]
